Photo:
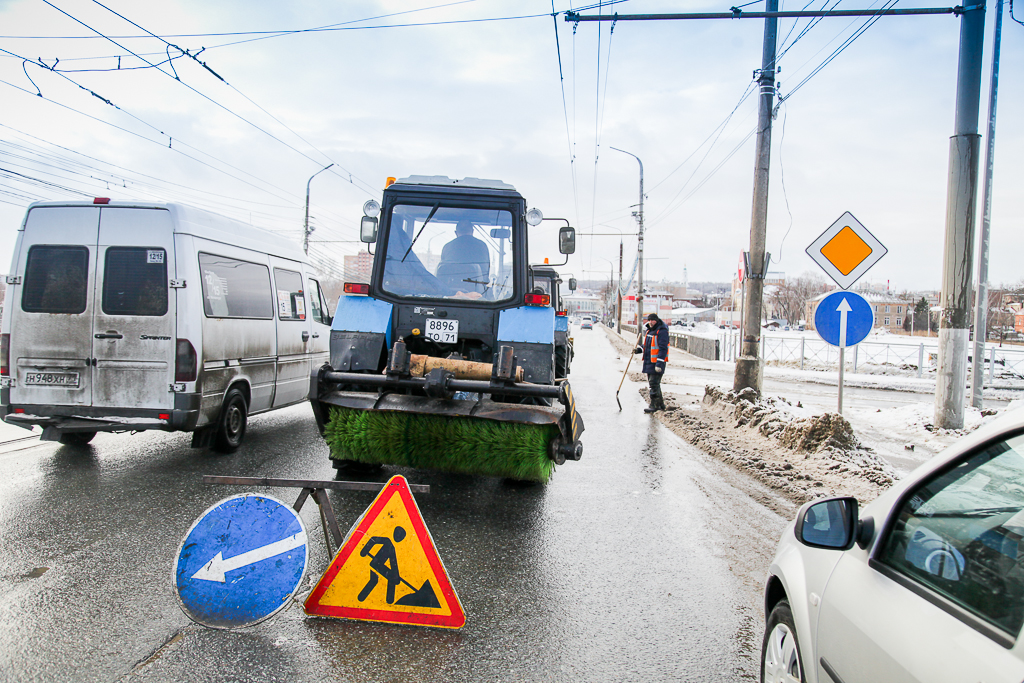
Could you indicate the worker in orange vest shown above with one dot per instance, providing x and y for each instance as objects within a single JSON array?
[{"x": 655, "y": 350}]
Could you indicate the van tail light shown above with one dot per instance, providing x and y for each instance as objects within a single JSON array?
[
  {"x": 186, "y": 364},
  {"x": 354, "y": 288},
  {"x": 101, "y": 200},
  {"x": 5, "y": 355},
  {"x": 537, "y": 299}
]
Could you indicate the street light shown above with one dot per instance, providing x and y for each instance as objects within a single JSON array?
[
  {"x": 640, "y": 241},
  {"x": 306, "y": 231}
]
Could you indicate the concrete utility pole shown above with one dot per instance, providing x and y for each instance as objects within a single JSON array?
[
  {"x": 961, "y": 207},
  {"x": 306, "y": 231},
  {"x": 981, "y": 302},
  {"x": 618, "y": 293},
  {"x": 749, "y": 371},
  {"x": 640, "y": 243}
]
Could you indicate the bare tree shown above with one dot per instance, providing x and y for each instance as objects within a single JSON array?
[{"x": 790, "y": 298}]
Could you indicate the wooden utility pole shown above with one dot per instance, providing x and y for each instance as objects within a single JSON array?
[
  {"x": 618, "y": 292},
  {"x": 961, "y": 208},
  {"x": 749, "y": 369}
]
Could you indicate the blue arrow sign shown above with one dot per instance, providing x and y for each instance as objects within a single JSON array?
[
  {"x": 241, "y": 562},
  {"x": 843, "y": 318}
]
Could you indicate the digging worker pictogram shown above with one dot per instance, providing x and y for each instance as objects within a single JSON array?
[
  {"x": 655, "y": 350},
  {"x": 385, "y": 563}
]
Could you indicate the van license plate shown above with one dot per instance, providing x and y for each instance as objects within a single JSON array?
[
  {"x": 52, "y": 379},
  {"x": 444, "y": 331}
]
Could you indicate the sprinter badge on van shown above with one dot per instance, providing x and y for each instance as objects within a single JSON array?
[{"x": 52, "y": 379}]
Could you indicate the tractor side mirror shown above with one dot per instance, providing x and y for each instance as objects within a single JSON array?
[
  {"x": 501, "y": 233},
  {"x": 567, "y": 240},
  {"x": 368, "y": 229},
  {"x": 572, "y": 284}
]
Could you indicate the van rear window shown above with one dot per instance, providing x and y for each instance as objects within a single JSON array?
[
  {"x": 135, "y": 281},
  {"x": 235, "y": 289},
  {"x": 56, "y": 279}
]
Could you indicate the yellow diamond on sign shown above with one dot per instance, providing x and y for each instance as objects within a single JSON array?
[{"x": 846, "y": 250}]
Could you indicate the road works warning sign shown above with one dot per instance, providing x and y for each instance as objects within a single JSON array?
[{"x": 388, "y": 569}]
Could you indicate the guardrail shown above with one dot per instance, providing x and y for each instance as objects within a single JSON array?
[
  {"x": 702, "y": 347},
  {"x": 808, "y": 351}
]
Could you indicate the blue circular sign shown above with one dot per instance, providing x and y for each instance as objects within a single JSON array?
[
  {"x": 841, "y": 312},
  {"x": 241, "y": 562}
]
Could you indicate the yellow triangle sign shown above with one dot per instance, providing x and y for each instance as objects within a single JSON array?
[{"x": 388, "y": 569}]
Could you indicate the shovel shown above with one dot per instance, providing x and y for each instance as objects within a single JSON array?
[{"x": 631, "y": 354}]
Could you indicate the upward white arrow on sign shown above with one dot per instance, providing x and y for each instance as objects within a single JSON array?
[
  {"x": 844, "y": 308},
  {"x": 215, "y": 569}
]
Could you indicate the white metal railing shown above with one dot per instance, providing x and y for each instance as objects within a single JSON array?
[{"x": 812, "y": 352}]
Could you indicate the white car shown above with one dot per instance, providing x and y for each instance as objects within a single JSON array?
[{"x": 926, "y": 583}]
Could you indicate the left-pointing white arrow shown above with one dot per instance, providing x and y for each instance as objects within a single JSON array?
[{"x": 215, "y": 569}]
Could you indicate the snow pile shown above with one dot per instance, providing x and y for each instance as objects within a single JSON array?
[{"x": 827, "y": 441}]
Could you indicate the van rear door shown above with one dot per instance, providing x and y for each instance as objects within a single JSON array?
[
  {"x": 51, "y": 311},
  {"x": 134, "y": 330}
]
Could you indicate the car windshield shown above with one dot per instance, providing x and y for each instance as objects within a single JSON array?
[{"x": 438, "y": 252}]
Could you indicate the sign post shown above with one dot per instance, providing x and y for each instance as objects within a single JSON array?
[
  {"x": 845, "y": 252},
  {"x": 843, "y": 319}
]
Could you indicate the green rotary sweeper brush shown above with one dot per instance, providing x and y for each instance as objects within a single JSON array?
[{"x": 441, "y": 422}]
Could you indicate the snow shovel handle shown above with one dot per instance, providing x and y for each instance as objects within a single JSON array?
[{"x": 631, "y": 354}]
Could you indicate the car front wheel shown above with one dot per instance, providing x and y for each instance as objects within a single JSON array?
[{"x": 780, "y": 651}]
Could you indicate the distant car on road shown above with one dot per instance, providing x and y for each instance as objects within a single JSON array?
[
  {"x": 926, "y": 583},
  {"x": 586, "y": 324}
]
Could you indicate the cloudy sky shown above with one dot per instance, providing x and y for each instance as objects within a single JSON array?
[{"x": 498, "y": 89}]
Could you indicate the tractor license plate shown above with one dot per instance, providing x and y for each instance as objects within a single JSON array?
[
  {"x": 444, "y": 331},
  {"x": 52, "y": 379}
]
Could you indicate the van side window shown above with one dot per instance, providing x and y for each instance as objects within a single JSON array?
[
  {"x": 291, "y": 305},
  {"x": 56, "y": 279},
  {"x": 316, "y": 311},
  {"x": 318, "y": 303},
  {"x": 135, "y": 281},
  {"x": 235, "y": 289}
]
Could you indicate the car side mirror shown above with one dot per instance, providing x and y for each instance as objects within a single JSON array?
[
  {"x": 572, "y": 284},
  {"x": 831, "y": 523},
  {"x": 567, "y": 240},
  {"x": 368, "y": 229}
]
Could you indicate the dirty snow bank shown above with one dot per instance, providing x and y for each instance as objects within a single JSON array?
[{"x": 801, "y": 455}]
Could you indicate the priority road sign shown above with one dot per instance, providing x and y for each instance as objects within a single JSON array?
[
  {"x": 846, "y": 250},
  {"x": 241, "y": 562},
  {"x": 388, "y": 569},
  {"x": 843, "y": 319}
]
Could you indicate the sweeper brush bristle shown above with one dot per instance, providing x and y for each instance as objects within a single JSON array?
[{"x": 464, "y": 445}]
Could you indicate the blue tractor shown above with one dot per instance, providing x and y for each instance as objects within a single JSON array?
[{"x": 445, "y": 359}]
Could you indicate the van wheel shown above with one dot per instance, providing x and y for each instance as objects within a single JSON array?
[
  {"x": 76, "y": 438},
  {"x": 231, "y": 425}
]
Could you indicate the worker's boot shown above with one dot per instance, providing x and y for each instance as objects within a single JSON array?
[{"x": 653, "y": 408}]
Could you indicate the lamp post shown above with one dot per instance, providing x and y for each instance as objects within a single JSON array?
[
  {"x": 611, "y": 280},
  {"x": 640, "y": 243},
  {"x": 306, "y": 230}
]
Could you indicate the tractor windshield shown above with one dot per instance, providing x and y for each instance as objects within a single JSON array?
[{"x": 449, "y": 253}]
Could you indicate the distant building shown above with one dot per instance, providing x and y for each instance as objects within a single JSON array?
[
  {"x": 889, "y": 310},
  {"x": 358, "y": 267},
  {"x": 580, "y": 303}
]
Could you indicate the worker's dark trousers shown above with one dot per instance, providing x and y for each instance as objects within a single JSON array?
[{"x": 657, "y": 400}]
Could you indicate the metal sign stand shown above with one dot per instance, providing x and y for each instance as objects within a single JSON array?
[{"x": 317, "y": 489}]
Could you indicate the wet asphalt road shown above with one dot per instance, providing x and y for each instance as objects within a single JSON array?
[{"x": 643, "y": 561}]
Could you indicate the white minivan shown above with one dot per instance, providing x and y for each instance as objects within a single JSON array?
[{"x": 130, "y": 316}]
